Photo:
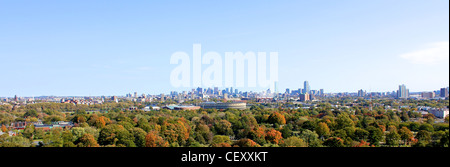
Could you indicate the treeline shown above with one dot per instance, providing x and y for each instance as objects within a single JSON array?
[{"x": 321, "y": 126}]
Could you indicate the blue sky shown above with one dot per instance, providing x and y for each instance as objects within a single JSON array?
[{"x": 95, "y": 47}]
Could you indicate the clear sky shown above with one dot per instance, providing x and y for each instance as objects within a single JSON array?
[{"x": 114, "y": 47}]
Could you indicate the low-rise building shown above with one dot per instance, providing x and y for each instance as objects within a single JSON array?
[
  {"x": 439, "y": 113},
  {"x": 233, "y": 105}
]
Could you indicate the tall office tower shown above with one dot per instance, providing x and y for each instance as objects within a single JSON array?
[
  {"x": 135, "y": 95},
  {"x": 402, "y": 92},
  {"x": 236, "y": 91},
  {"x": 199, "y": 90},
  {"x": 444, "y": 92},
  {"x": 321, "y": 93},
  {"x": 231, "y": 90},
  {"x": 276, "y": 87},
  {"x": 288, "y": 91},
  {"x": 216, "y": 90},
  {"x": 227, "y": 90},
  {"x": 361, "y": 93},
  {"x": 306, "y": 87}
]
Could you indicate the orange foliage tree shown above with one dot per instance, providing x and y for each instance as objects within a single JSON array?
[
  {"x": 246, "y": 143},
  {"x": 87, "y": 140},
  {"x": 277, "y": 118},
  {"x": 154, "y": 140},
  {"x": 273, "y": 136}
]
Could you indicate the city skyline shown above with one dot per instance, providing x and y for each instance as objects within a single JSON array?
[
  {"x": 87, "y": 48},
  {"x": 401, "y": 92}
]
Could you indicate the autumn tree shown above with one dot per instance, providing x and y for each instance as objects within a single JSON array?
[
  {"x": 273, "y": 136},
  {"x": 246, "y": 143},
  {"x": 203, "y": 134},
  {"x": 87, "y": 140},
  {"x": 4, "y": 129},
  {"x": 154, "y": 140},
  {"x": 223, "y": 127},
  {"x": 322, "y": 130},
  {"x": 405, "y": 134},
  {"x": 178, "y": 131},
  {"x": 277, "y": 119},
  {"x": 114, "y": 134}
]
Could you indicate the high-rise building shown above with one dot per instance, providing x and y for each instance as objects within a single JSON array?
[
  {"x": 444, "y": 92},
  {"x": 288, "y": 91},
  {"x": 199, "y": 91},
  {"x": 361, "y": 93},
  {"x": 402, "y": 92},
  {"x": 304, "y": 97},
  {"x": 306, "y": 87},
  {"x": 321, "y": 92}
]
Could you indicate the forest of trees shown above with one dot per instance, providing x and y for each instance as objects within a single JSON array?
[{"x": 259, "y": 126}]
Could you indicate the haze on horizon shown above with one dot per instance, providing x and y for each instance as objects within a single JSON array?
[{"x": 94, "y": 48}]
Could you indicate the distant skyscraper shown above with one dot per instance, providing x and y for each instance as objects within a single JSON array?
[
  {"x": 361, "y": 93},
  {"x": 304, "y": 97},
  {"x": 402, "y": 92},
  {"x": 306, "y": 87},
  {"x": 135, "y": 95},
  {"x": 276, "y": 87},
  {"x": 199, "y": 90},
  {"x": 321, "y": 92},
  {"x": 288, "y": 91},
  {"x": 444, "y": 92}
]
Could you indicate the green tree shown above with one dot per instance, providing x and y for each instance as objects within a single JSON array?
[
  {"x": 220, "y": 140},
  {"x": 293, "y": 142},
  {"x": 375, "y": 135},
  {"x": 343, "y": 120},
  {"x": 322, "y": 130},
  {"x": 334, "y": 142},
  {"x": 393, "y": 138},
  {"x": 28, "y": 132},
  {"x": 311, "y": 138},
  {"x": 223, "y": 127},
  {"x": 139, "y": 136},
  {"x": 424, "y": 136}
]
